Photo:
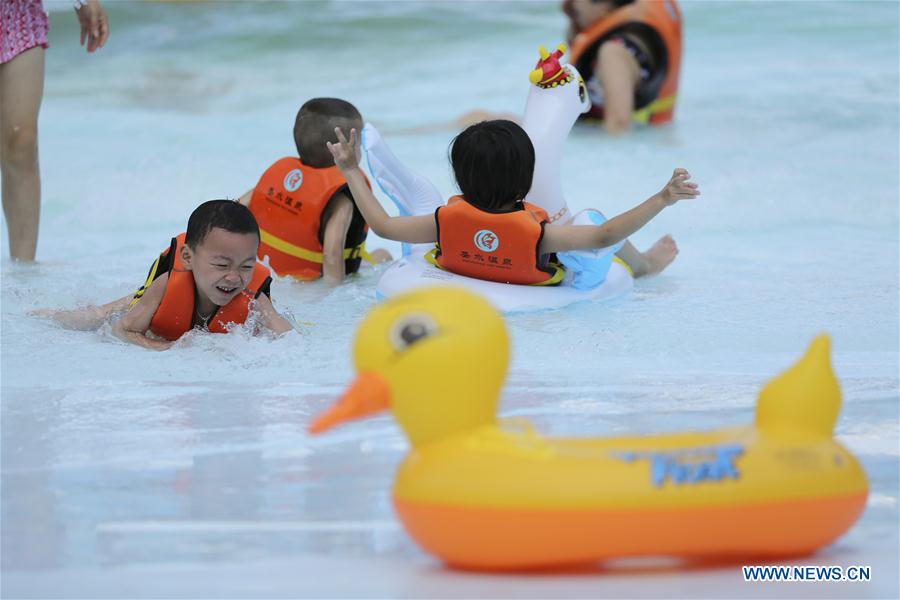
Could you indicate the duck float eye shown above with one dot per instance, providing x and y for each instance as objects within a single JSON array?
[{"x": 411, "y": 329}]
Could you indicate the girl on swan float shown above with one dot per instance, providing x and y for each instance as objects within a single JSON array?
[{"x": 490, "y": 232}]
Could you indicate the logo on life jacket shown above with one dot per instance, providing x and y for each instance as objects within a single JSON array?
[
  {"x": 487, "y": 240},
  {"x": 293, "y": 180}
]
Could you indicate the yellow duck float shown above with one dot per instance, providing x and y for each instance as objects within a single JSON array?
[{"x": 481, "y": 494}]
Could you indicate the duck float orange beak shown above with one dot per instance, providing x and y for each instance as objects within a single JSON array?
[
  {"x": 482, "y": 494},
  {"x": 367, "y": 395}
]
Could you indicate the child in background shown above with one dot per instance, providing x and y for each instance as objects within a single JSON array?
[
  {"x": 309, "y": 224},
  {"x": 629, "y": 53}
]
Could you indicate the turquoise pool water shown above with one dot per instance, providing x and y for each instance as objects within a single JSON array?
[{"x": 189, "y": 473}]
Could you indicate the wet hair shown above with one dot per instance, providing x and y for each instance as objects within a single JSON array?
[
  {"x": 493, "y": 162},
  {"x": 315, "y": 125},
  {"x": 229, "y": 215}
]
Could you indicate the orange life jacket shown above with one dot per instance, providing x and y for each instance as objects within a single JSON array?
[
  {"x": 175, "y": 314},
  {"x": 288, "y": 203},
  {"x": 499, "y": 247},
  {"x": 658, "y": 24}
]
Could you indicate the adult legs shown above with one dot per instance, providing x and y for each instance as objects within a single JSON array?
[{"x": 21, "y": 90}]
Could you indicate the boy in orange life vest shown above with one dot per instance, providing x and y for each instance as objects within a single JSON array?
[
  {"x": 493, "y": 162},
  {"x": 309, "y": 225},
  {"x": 629, "y": 53},
  {"x": 212, "y": 280},
  {"x": 208, "y": 278}
]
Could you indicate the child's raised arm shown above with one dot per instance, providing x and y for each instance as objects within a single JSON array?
[
  {"x": 565, "y": 238},
  {"x": 415, "y": 230}
]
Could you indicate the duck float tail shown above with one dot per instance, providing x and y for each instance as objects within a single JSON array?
[
  {"x": 483, "y": 494},
  {"x": 805, "y": 399}
]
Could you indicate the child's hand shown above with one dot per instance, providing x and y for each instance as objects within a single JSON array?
[
  {"x": 679, "y": 188},
  {"x": 344, "y": 152}
]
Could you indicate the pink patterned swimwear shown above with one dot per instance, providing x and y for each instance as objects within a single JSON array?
[{"x": 23, "y": 25}]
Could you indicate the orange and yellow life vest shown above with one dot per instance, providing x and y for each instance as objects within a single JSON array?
[
  {"x": 658, "y": 24},
  {"x": 288, "y": 203},
  {"x": 175, "y": 314},
  {"x": 500, "y": 247}
]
